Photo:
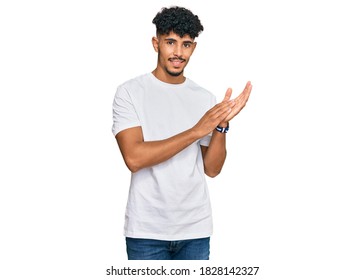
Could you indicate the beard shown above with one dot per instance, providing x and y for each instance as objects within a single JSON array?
[{"x": 174, "y": 74}]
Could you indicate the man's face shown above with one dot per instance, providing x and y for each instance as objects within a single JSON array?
[{"x": 173, "y": 52}]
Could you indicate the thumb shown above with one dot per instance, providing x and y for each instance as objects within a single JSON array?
[{"x": 228, "y": 94}]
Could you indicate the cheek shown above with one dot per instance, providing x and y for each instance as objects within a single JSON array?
[
  {"x": 187, "y": 53},
  {"x": 166, "y": 55}
]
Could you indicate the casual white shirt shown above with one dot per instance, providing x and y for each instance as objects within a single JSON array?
[{"x": 170, "y": 200}]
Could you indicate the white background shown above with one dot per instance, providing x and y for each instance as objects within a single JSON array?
[{"x": 289, "y": 198}]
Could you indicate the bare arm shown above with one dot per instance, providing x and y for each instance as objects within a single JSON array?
[
  {"x": 215, "y": 154},
  {"x": 139, "y": 154}
]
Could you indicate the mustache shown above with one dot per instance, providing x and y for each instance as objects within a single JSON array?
[{"x": 177, "y": 58}]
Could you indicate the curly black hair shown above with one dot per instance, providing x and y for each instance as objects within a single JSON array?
[{"x": 178, "y": 20}]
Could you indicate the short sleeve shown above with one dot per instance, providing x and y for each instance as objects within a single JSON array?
[
  {"x": 124, "y": 114},
  {"x": 205, "y": 141}
]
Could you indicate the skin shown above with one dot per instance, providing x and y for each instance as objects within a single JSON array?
[{"x": 174, "y": 53}]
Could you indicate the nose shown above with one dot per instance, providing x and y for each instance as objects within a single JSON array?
[{"x": 177, "y": 51}]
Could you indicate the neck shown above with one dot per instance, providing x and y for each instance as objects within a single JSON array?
[{"x": 168, "y": 78}]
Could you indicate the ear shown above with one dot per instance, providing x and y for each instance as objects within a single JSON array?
[{"x": 155, "y": 43}]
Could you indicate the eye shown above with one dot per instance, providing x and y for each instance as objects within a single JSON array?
[
  {"x": 187, "y": 45},
  {"x": 170, "y": 42}
]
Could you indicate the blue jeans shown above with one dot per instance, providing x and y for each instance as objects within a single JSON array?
[{"x": 150, "y": 249}]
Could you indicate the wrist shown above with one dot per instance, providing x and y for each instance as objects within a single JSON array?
[
  {"x": 223, "y": 129},
  {"x": 223, "y": 124},
  {"x": 196, "y": 133}
]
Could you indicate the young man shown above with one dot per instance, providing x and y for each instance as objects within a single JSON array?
[{"x": 170, "y": 134}]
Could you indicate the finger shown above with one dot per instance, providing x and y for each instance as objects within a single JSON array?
[
  {"x": 222, "y": 113},
  {"x": 221, "y": 109},
  {"x": 228, "y": 94},
  {"x": 244, "y": 95},
  {"x": 242, "y": 99},
  {"x": 222, "y": 105},
  {"x": 219, "y": 112},
  {"x": 248, "y": 88}
]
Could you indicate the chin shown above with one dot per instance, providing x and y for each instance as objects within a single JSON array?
[{"x": 174, "y": 74}]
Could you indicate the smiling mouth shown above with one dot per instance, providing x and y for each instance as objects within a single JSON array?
[
  {"x": 176, "y": 62},
  {"x": 176, "y": 59}
]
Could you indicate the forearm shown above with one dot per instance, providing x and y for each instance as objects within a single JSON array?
[
  {"x": 215, "y": 155},
  {"x": 148, "y": 153}
]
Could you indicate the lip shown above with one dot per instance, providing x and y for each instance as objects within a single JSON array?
[{"x": 176, "y": 62}]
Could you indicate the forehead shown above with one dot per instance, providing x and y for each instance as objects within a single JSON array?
[{"x": 174, "y": 36}]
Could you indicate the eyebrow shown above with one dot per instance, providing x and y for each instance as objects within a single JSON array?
[{"x": 174, "y": 40}]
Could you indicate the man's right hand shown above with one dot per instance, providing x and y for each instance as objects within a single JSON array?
[{"x": 214, "y": 117}]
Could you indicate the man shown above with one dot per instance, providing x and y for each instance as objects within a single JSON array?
[{"x": 170, "y": 134}]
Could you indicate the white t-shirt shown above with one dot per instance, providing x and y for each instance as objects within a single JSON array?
[{"x": 170, "y": 200}]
